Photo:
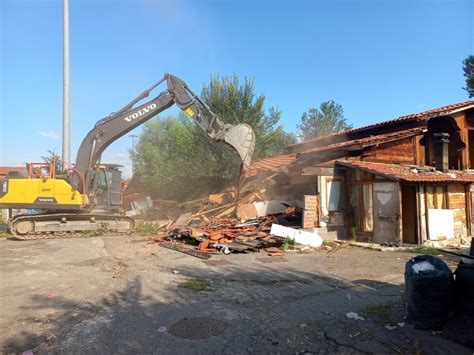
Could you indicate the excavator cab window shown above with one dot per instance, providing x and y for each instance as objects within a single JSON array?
[{"x": 102, "y": 181}]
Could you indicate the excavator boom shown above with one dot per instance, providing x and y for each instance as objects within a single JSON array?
[{"x": 241, "y": 137}]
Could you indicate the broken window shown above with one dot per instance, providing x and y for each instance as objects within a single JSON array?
[
  {"x": 333, "y": 194},
  {"x": 436, "y": 196}
]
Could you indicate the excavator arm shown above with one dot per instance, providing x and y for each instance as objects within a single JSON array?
[{"x": 241, "y": 137}]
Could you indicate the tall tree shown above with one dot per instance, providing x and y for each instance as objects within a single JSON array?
[
  {"x": 175, "y": 159},
  {"x": 468, "y": 67},
  {"x": 323, "y": 121},
  {"x": 236, "y": 102}
]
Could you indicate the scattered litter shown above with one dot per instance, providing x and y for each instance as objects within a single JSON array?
[
  {"x": 390, "y": 327},
  {"x": 222, "y": 248},
  {"x": 274, "y": 252},
  {"x": 175, "y": 272},
  {"x": 161, "y": 329},
  {"x": 401, "y": 325},
  {"x": 354, "y": 335},
  {"x": 348, "y": 296},
  {"x": 354, "y": 315},
  {"x": 50, "y": 296}
]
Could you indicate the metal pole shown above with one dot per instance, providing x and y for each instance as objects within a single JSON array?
[
  {"x": 66, "y": 130},
  {"x": 133, "y": 136}
]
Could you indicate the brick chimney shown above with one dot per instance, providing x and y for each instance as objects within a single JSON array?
[{"x": 441, "y": 151}]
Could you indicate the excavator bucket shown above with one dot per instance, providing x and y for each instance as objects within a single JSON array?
[{"x": 242, "y": 138}]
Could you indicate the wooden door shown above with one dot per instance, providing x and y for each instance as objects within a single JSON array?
[{"x": 409, "y": 214}]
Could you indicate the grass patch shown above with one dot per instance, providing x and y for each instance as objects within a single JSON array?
[
  {"x": 424, "y": 250},
  {"x": 197, "y": 285},
  {"x": 4, "y": 234},
  {"x": 146, "y": 228},
  {"x": 383, "y": 312},
  {"x": 288, "y": 244},
  {"x": 93, "y": 233}
]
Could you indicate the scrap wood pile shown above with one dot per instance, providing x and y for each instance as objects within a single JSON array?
[
  {"x": 230, "y": 223},
  {"x": 222, "y": 235},
  {"x": 200, "y": 236}
]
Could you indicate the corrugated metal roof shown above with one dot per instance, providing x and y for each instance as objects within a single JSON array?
[
  {"x": 440, "y": 111},
  {"x": 410, "y": 173},
  {"x": 270, "y": 164}
]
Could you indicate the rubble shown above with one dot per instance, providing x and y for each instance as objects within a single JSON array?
[
  {"x": 246, "y": 219},
  {"x": 201, "y": 236}
]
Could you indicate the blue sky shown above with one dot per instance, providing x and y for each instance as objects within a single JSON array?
[{"x": 379, "y": 59}]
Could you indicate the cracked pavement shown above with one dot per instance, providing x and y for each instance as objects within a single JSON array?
[{"x": 120, "y": 295}]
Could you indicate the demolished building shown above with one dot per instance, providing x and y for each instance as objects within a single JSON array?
[{"x": 409, "y": 180}]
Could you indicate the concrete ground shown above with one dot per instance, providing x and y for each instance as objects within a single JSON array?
[{"x": 120, "y": 295}]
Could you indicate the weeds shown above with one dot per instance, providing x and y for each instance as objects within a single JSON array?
[
  {"x": 94, "y": 233},
  {"x": 288, "y": 244},
  {"x": 146, "y": 228},
  {"x": 424, "y": 250},
  {"x": 383, "y": 312},
  {"x": 4, "y": 234},
  {"x": 197, "y": 285}
]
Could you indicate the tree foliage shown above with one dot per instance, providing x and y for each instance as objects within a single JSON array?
[
  {"x": 323, "y": 121},
  {"x": 53, "y": 157},
  {"x": 468, "y": 67},
  {"x": 175, "y": 159}
]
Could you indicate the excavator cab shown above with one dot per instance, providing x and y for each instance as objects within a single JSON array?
[{"x": 106, "y": 193}]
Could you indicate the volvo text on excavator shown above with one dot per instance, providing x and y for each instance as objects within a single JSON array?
[{"x": 87, "y": 196}]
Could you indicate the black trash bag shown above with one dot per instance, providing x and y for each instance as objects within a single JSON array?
[
  {"x": 428, "y": 294},
  {"x": 464, "y": 289},
  {"x": 460, "y": 329}
]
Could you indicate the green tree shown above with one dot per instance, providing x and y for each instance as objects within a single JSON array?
[
  {"x": 53, "y": 157},
  {"x": 323, "y": 121},
  {"x": 175, "y": 159},
  {"x": 236, "y": 102},
  {"x": 167, "y": 161},
  {"x": 468, "y": 67}
]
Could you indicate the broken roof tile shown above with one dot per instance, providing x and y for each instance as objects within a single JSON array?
[
  {"x": 410, "y": 173},
  {"x": 270, "y": 164}
]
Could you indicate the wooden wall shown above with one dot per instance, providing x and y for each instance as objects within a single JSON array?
[
  {"x": 457, "y": 202},
  {"x": 401, "y": 151}
]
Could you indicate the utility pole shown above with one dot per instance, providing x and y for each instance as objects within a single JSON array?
[
  {"x": 134, "y": 142},
  {"x": 66, "y": 130}
]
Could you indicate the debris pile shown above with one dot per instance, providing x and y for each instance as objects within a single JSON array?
[{"x": 222, "y": 235}]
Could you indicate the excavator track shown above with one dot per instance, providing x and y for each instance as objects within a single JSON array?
[{"x": 67, "y": 225}]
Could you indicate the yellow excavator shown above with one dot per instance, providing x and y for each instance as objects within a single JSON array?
[{"x": 87, "y": 196}]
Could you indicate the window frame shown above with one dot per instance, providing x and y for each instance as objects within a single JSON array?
[{"x": 434, "y": 188}]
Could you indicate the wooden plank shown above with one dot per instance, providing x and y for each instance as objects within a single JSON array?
[{"x": 319, "y": 171}]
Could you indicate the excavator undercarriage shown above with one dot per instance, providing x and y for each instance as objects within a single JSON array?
[{"x": 68, "y": 225}]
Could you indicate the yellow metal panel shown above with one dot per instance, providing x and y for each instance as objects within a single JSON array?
[{"x": 30, "y": 190}]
